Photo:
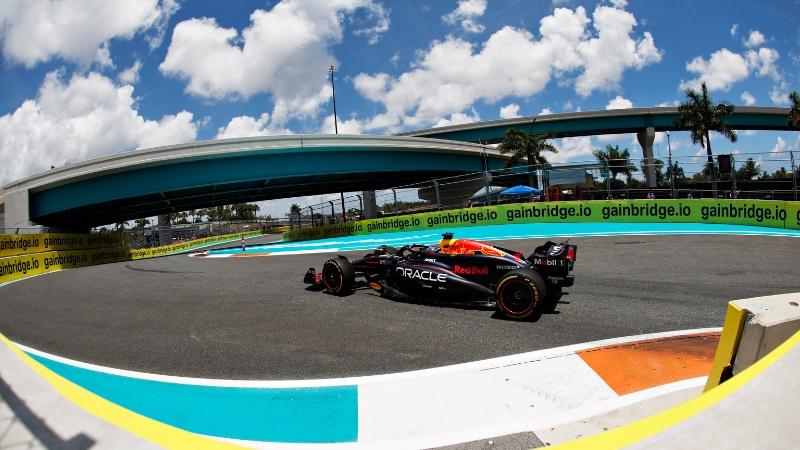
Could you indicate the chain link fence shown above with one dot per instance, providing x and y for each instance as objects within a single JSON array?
[{"x": 766, "y": 176}]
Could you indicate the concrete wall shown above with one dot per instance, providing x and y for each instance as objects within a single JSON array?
[{"x": 770, "y": 321}]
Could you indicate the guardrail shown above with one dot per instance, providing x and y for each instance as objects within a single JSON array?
[
  {"x": 35, "y": 254},
  {"x": 774, "y": 214}
]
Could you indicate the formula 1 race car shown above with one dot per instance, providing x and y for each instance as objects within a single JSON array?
[{"x": 459, "y": 271}]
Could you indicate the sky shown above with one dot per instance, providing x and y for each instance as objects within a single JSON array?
[{"x": 83, "y": 79}]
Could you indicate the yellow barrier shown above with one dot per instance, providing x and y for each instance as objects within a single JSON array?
[
  {"x": 23, "y": 266},
  {"x": 23, "y": 244},
  {"x": 773, "y": 214}
]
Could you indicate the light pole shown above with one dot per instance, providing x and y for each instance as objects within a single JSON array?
[
  {"x": 671, "y": 169},
  {"x": 333, "y": 87}
]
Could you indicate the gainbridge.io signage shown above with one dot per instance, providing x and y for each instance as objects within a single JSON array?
[
  {"x": 774, "y": 214},
  {"x": 35, "y": 254}
]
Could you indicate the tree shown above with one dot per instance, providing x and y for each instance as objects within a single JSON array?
[
  {"x": 659, "y": 169},
  {"x": 700, "y": 116},
  {"x": 677, "y": 170},
  {"x": 618, "y": 162},
  {"x": 294, "y": 209},
  {"x": 749, "y": 170},
  {"x": 141, "y": 223},
  {"x": 528, "y": 146},
  {"x": 794, "y": 112}
]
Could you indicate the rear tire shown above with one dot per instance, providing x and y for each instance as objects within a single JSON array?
[
  {"x": 338, "y": 276},
  {"x": 520, "y": 293}
]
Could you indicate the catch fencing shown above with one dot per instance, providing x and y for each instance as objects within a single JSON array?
[{"x": 750, "y": 176}]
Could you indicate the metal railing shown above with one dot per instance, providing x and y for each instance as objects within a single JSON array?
[{"x": 763, "y": 176}]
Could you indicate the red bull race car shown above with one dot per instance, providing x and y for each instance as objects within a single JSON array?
[{"x": 461, "y": 271}]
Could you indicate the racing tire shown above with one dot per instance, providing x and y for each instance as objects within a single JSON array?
[
  {"x": 520, "y": 293},
  {"x": 338, "y": 276}
]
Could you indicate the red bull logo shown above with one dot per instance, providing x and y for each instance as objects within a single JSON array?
[{"x": 471, "y": 270}]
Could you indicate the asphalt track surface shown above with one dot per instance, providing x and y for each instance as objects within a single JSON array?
[{"x": 253, "y": 318}]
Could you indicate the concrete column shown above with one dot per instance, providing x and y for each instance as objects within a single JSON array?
[
  {"x": 17, "y": 211},
  {"x": 164, "y": 231},
  {"x": 646, "y": 138},
  {"x": 370, "y": 205}
]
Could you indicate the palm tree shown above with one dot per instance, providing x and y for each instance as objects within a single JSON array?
[
  {"x": 141, "y": 223},
  {"x": 528, "y": 146},
  {"x": 794, "y": 112},
  {"x": 677, "y": 170},
  {"x": 700, "y": 116},
  {"x": 618, "y": 162},
  {"x": 749, "y": 170},
  {"x": 294, "y": 209}
]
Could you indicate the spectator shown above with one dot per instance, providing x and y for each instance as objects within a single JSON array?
[
  {"x": 691, "y": 195},
  {"x": 469, "y": 204},
  {"x": 610, "y": 197},
  {"x": 651, "y": 195}
]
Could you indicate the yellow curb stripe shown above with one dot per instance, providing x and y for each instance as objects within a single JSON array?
[
  {"x": 157, "y": 432},
  {"x": 637, "y": 431}
]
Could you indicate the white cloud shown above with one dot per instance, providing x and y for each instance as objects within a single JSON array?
[
  {"x": 763, "y": 61},
  {"x": 720, "y": 72},
  {"x": 621, "y": 4},
  {"x": 748, "y": 98},
  {"x": 244, "y": 126},
  {"x": 780, "y": 94},
  {"x": 352, "y": 126},
  {"x": 439, "y": 85},
  {"x": 466, "y": 13},
  {"x": 86, "y": 118},
  {"x": 735, "y": 29},
  {"x": 780, "y": 146},
  {"x": 619, "y": 103},
  {"x": 749, "y": 132},
  {"x": 284, "y": 52},
  {"x": 458, "y": 118},
  {"x": 103, "y": 56},
  {"x": 754, "y": 40},
  {"x": 672, "y": 103},
  {"x": 509, "y": 111},
  {"x": 571, "y": 148},
  {"x": 35, "y": 31},
  {"x": 545, "y": 112},
  {"x": 131, "y": 74}
]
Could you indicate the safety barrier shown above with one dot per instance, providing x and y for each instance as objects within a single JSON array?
[
  {"x": 22, "y": 244},
  {"x": 773, "y": 214},
  {"x": 26, "y": 263}
]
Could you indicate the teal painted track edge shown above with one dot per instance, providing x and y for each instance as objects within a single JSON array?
[
  {"x": 511, "y": 231},
  {"x": 290, "y": 415}
]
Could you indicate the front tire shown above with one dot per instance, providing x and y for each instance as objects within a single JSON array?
[
  {"x": 338, "y": 276},
  {"x": 520, "y": 293}
]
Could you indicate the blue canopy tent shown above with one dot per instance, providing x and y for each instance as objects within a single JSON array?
[{"x": 521, "y": 190}]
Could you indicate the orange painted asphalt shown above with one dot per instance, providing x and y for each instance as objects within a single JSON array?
[{"x": 636, "y": 366}]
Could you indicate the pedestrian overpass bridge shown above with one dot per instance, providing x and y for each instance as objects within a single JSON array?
[{"x": 148, "y": 182}]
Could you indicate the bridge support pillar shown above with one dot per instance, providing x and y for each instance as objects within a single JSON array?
[
  {"x": 646, "y": 138},
  {"x": 370, "y": 205},
  {"x": 17, "y": 213},
  {"x": 164, "y": 230}
]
